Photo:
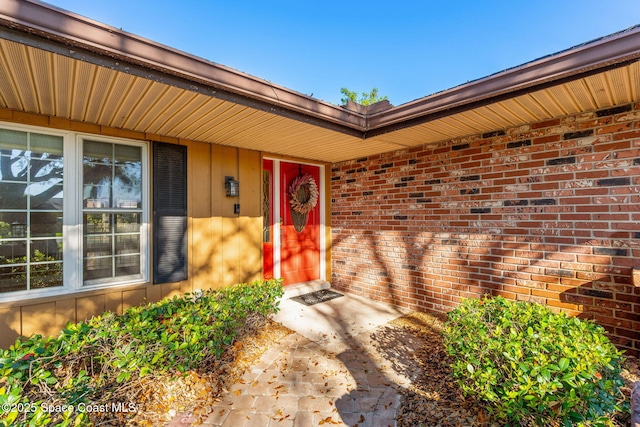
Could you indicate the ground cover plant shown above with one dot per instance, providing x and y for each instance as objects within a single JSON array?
[
  {"x": 98, "y": 371},
  {"x": 530, "y": 366}
]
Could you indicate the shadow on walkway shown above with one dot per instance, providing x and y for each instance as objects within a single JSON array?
[{"x": 345, "y": 366}]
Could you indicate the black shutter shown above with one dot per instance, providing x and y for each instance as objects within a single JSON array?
[{"x": 169, "y": 213}]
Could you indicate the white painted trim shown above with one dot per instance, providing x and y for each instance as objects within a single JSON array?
[
  {"x": 323, "y": 221},
  {"x": 277, "y": 233},
  {"x": 72, "y": 216},
  {"x": 67, "y": 142},
  {"x": 143, "y": 277}
]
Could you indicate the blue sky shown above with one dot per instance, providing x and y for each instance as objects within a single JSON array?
[{"x": 407, "y": 49}]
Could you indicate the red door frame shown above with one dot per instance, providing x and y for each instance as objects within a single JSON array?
[{"x": 268, "y": 228}]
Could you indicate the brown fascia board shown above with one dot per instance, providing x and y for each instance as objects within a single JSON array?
[
  {"x": 47, "y": 21},
  {"x": 589, "y": 58},
  {"x": 116, "y": 64}
]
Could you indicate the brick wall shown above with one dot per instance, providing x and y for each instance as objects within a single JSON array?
[{"x": 547, "y": 212}]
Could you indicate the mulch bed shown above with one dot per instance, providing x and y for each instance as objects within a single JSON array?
[
  {"x": 435, "y": 400},
  {"x": 184, "y": 400}
]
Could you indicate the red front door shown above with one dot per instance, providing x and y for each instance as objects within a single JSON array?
[{"x": 300, "y": 241}]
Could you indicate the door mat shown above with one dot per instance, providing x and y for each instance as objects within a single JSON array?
[{"x": 316, "y": 297}]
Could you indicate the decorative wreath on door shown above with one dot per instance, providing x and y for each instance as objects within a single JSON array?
[{"x": 303, "y": 197}]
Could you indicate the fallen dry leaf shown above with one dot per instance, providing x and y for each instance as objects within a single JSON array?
[
  {"x": 329, "y": 420},
  {"x": 197, "y": 391}
]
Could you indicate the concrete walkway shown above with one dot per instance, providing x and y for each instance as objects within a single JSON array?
[{"x": 344, "y": 366}]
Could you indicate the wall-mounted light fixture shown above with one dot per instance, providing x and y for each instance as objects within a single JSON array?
[{"x": 231, "y": 186}]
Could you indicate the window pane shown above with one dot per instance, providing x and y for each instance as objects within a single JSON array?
[
  {"x": 14, "y": 252},
  {"x": 5, "y": 226},
  {"x": 13, "y": 139},
  {"x": 46, "y": 250},
  {"x": 128, "y": 244},
  {"x": 128, "y": 223},
  {"x": 46, "y": 144},
  {"x": 127, "y": 186},
  {"x": 127, "y": 265},
  {"x": 46, "y": 275},
  {"x": 97, "y": 223},
  {"x": 97, "y": 246},
  {"x": 15, "y": 166},
  {"x": 13, "y": 225},
  {"x": 97, "y": 186},
  {"x": 46, "y": 170},
  {"x": 13, "y": 279},
  {"x": 99, "y": 152},
  {"x": 266, "y": 206},
  {"x": 47, "y": 197},
  {"x": 12, "y": 195},
  {"x": 97, "y": 268},
  {"x": 46, "y": 224},
  {"x": 127, "y": 153}
]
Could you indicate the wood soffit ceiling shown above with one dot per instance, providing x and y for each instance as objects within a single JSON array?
[{"x": 114, "y": 79}]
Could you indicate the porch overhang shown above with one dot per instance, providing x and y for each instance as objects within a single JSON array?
[{"x": 58, "y": 64}]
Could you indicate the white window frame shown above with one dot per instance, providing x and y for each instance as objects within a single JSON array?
[
  {"x": 144, "y": 221},
  {"x": 72, "y": 225}
]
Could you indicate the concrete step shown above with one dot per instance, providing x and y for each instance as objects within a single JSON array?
[{"x": 298, "y": 289}]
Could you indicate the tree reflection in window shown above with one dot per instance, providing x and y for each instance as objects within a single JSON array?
[
  {"x": 112, "y": 201},
  {"x": 31, "y": 179}
]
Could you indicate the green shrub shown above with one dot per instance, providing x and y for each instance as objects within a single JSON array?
[
  {"x": 532, "y": 366},
  {"x": 51, "y": 381}
]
